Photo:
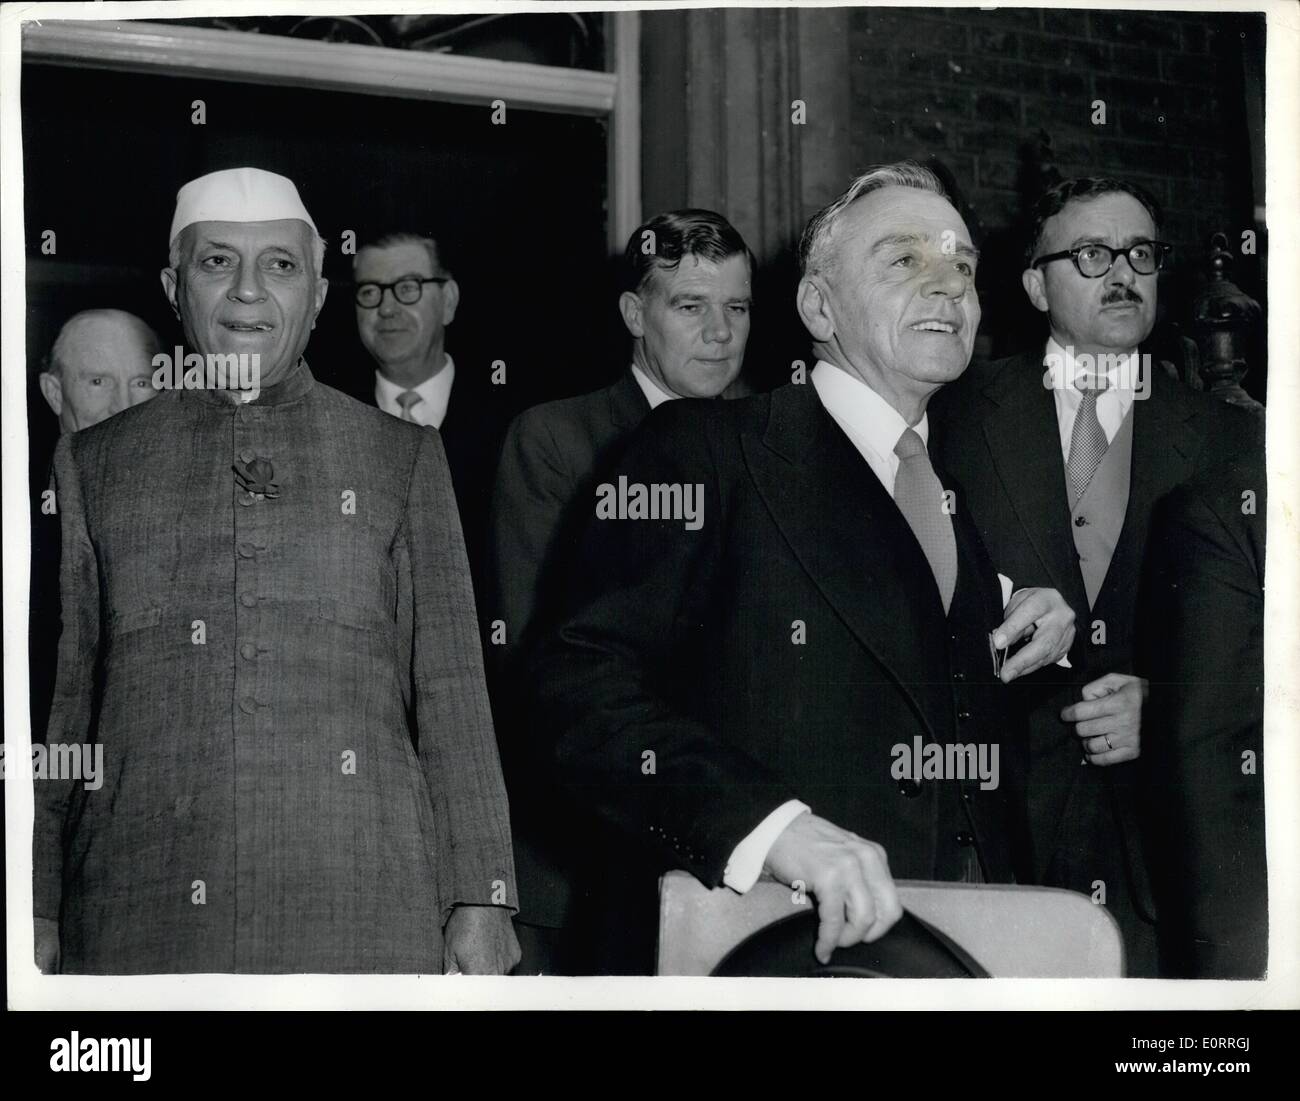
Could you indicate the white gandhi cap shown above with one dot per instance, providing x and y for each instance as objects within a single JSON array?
[{"x": 237, "y": 195}]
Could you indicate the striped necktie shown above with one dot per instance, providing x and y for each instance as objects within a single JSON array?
[{"x": 919, "y": 496}]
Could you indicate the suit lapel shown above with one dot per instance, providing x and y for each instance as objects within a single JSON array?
[
  {"x": 848, "y": 535},
  {"x": 459, "y": 415},
  {"x": 627, "y": 402},
  {"x": 1025, "y": 443}
]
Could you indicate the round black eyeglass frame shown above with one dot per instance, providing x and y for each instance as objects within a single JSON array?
[
  {"x": 1159, "y": 253},
  {"x": 406, "y": 291}
]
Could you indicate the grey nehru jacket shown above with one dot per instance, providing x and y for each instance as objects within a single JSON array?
[{"x": 323, "y": 761}]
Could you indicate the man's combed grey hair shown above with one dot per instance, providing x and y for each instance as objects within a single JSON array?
[
  {"x": 814, "y": 245},
  {"x": 317, "y": 252}
]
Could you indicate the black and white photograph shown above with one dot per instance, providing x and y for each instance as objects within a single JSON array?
[{"x": 522, "y": 505}]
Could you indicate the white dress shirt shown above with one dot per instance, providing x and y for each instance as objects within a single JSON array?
[
  {"x": 654, "y": 393},
  {"x": 872, "y": 425},
  {"x": 1113, "y": 403},
  {"x": 435, "y": 390}
]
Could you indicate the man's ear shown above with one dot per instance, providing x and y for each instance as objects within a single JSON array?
[
  {"x": 450, "y": 300},
  {"x": 1032, "y": 280},
  {"x": 168, "y": 276},
  {"x": 322, "y": 287},
  {"x": 814, "y": 310},
  {"x": 52, "y": 392},
  {"x": 629, "y": 305}
]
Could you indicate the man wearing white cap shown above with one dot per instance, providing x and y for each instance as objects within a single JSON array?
[{"x": 269, "y": 629}]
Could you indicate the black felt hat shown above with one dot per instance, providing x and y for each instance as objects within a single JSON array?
[{"x": 912, "y": 949}]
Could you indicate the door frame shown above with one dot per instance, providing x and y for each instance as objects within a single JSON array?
[{"x": 204, "y": 52}]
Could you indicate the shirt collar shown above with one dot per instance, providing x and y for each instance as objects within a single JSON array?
[
  {"x": 1063, "y": 372},
  {"x": 654, "y": 393},
  {"x": 869, "y": 416},
  {"x": 435, "y": 390}
]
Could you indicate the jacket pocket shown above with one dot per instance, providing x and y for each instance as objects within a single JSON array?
[
  {"x": 356, "y": 616},
  {"x": 138, "y": 619}
]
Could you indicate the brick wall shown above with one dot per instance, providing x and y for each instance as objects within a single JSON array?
[{"x": 974, "y": 89}]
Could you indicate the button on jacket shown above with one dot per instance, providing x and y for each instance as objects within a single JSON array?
[{"x": 269, "y": 627}]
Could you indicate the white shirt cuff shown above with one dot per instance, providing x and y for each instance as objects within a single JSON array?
[
  {"x": 1008, "y": 591},
  {"x": 747, "y": 858}
]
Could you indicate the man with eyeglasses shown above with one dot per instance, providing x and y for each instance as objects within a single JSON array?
[
  {"x": 405, "y": 299},
  {"x": 1063, "y": 452}
]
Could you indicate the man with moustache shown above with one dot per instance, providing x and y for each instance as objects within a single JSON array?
[
  {"x": 686, "y": 304},
  {"x": 1063, "y": 452},
  {"x": 405, "y": 299},
  {"x": 100, "y": 363},
  {"x": 271, "y": 632},
  {"x": 729, "y": 697}
]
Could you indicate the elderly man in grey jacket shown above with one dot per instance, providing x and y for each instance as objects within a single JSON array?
[{"x": 269, "y": 629}]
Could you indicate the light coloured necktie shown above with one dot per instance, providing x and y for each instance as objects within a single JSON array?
[
  {"x": 1087, "y": 442},
  {"x": 919, "y": 496},
  {"x": 406, "y": 399}
]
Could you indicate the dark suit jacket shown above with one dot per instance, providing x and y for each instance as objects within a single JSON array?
[
  {"x": 545, "y": 480},
  {"x": 683, "y": 645},
  {"x": 1205, "y": 654},
  {"x": 544, "y": 492},
  {"x": 996, "y": 430},
  {"x": 471, "y": 438}
]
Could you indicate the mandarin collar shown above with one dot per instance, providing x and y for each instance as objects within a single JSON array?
[{"x": 293, "y": 386}]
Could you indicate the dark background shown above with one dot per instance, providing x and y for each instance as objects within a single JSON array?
[
  {"x": 977, "y": 90},
  {"x": 976, "y": 94}
]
